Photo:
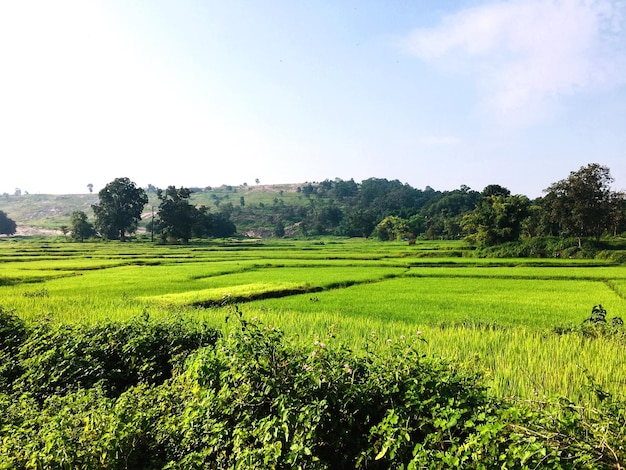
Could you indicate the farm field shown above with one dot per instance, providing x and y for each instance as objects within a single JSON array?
[{"x": 496, "y": 316}]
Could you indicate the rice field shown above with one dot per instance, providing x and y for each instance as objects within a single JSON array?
[{"x": 495, "y": 316}]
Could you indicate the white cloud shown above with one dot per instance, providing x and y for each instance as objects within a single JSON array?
[{"x": 524, "y": 54}]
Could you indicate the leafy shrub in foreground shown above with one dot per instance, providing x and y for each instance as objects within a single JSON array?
[
  {"x": 56, "y": 359},
  {"x": 274, "y": 405},
  {"x": 256, "y": 400},
  {"x": 598, "y": 325},
  {"x": 13, "y": 332}
]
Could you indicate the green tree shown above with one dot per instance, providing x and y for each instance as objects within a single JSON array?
[
  {"x": 279, "y": 229},
  {"x": 393, "y": 228},
  {"x": 216, "y": 225},
  {"x": 583, "y": 203},
  {"x": 496, "y": 219},
  {"x": 80, "y": 227},
  {"x": 7, "y": 225},
  {"x": 176, "y": 216},
  {"x": 618, "y": 213},
  {"x": 119, "y": 209},
  {"x": 444, "y": 212},
  {"x": 495, "y": 190}
]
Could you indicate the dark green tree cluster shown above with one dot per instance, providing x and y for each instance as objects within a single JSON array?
[
  {"x": 497, "y": 218},
  {"x": 179, "y": 220},
  {"x": 7, "y": 225},
  {"x": 119, "y": 210},
  {"x": 582, "y": 205},
  {"x": 80, "y": 227},
  {"x": 120, "y": 207}
]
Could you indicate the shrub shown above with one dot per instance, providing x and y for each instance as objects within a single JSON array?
[
  {"x": 618, "y": 256},
  {"x": 256, "y": 400},
  {"x": 13, "y": 332},
  {"x": 57, "y": 359},
  {"x": 598, "y": 325}
]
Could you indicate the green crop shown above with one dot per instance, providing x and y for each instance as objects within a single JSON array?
[{"x": 492, "y": 315}]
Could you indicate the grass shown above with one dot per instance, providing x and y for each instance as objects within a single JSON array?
[{"x": 491, "y": 315}]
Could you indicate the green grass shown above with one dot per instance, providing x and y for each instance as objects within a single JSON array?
[
  {"x": 435, "y": 300},
  {"x": 492, "y": 315}
]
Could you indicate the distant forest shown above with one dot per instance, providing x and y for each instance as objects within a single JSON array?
[{"x": 579, "y": 206}]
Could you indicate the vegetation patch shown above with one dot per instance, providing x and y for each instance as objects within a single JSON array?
[
  {"x": 222, "y": 296},
  {"x": 257, "y": 400}
]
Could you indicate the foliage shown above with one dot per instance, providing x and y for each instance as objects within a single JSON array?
[
  {"x": 176, "y": 216},
  {"x": 598, "y": 326},
  {"x": 7, "y": 225},
  {"x": 13, "y": 332},
  {"x": 496, "y": 219},
  {"x": 119, "y": 209},
  {"x": 393, "y": 228},
  {"x": 221, "y": 225},
  {"x": 58, "y": 359},
  {"x": 583, "y": 203},
  {"x": 444, "y": 212},
  {"x": 80, "y": 227},
  {"x": 348, "y": 208},
  {"x": 256, "y": 400}
]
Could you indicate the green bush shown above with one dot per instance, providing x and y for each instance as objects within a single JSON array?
[
  {"x": 13, "y": 332},
  {"x": 618, "y": 256},
  {"x": 57, "y": 359},
  {"x": 256, "y": 400},
  {"x": 598, "y": 325},
  {"x": 551, "y": 247}
]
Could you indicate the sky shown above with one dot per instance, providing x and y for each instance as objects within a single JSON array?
[{"x": 201, "y": 93}]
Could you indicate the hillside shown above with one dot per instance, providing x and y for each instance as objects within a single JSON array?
[
  {"x": 388, "y": 210},
  {"x": 45, "y": 213}
]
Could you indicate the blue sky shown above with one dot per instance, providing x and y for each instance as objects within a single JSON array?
[{"x": 204, "y": 93}]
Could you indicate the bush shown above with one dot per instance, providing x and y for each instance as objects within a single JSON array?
[
  {"x": 618, "y": 256},
  {"x": 256, "y": 400},
  {"x": 57, "y": 359},
  {"x": 13, "y": 332},
  {"x": 598, "y": 325}
]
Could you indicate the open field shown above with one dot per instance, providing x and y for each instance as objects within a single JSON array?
[{"x": 496, "y": 316}]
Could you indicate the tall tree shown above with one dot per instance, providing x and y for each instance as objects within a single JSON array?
[
  {"x": 496, "y": 219},
  {"x": 119, "y": 209},
  {"x": 583, "y": 203},
  {"x": 176, "y": 216},
  {"x": 495, "y": 190},
  {"x": 80, "y": 227},
  {"x": 7, "y": 225},
  {"x": 393, "y": 228}
]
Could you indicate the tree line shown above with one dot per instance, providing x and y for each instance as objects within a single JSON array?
[
  {"x": 581, "y": 205},
  {"x": 120, "y": 208}
]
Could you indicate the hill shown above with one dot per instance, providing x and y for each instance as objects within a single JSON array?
[
  {"x": 44, "y": 214},
  {"x": 386, "y": 209}
]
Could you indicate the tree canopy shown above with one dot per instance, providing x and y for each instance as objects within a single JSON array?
[
  {"x": 119, "y": 209},
  {"x": 179, "y": 220},
  {"x": 583, "y": 204},
  {"x": 7, "y": 225},
  {"x": 496, "y": 218},
  {"x": 80, "y": 227},
  {"x": 176, "y": 216}
]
